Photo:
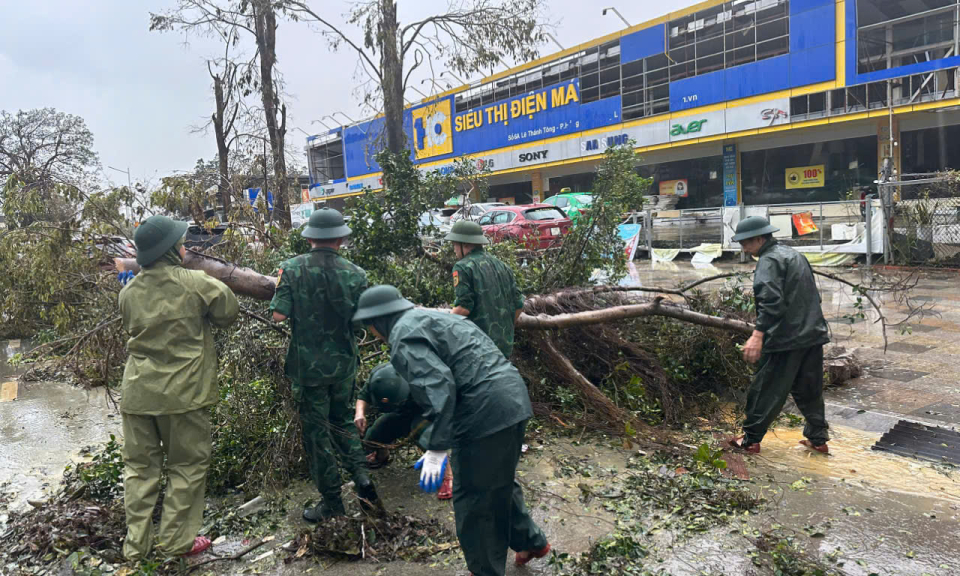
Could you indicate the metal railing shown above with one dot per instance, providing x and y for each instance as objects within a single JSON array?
[{"x": 841, "y": 225}]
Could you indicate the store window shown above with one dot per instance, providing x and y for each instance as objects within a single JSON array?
[
  {"x": 849, "y": 166},
  {"x": 893, "y": 34},
  {"x": 930, "y": 150}
]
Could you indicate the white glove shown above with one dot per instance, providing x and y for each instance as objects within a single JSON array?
[{"x": 431, "y": 466}]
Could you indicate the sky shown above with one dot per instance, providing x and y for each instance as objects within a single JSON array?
[{"x": 142, "y": 92}]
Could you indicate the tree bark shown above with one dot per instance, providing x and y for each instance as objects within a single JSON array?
[
  {"x": 655, "y": 308},
  {"x": 392, "y": 70},
  {"x": 247, "y": 282},
  {"x": 223, "y": 151},
  {"x": 595, "y": 399},
  {"x": 243, "y": 281},
  {"x": 265, "y": 19}
]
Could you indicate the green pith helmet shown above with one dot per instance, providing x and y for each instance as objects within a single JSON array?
[
  {"x": 380, "y": 300},
  {"x": 467, "y": 232},
  {"x": 154, "y": 236},
  {"x": 325, "y": 224},
  {"x": 387, "y": 387},
  {"x": 753, "y": 226}
]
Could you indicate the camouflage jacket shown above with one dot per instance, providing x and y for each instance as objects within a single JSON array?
[
  {"x": 487, "y": 288},
  {"x": 457, "y": 376},
  {"x": 318, "y": 292}
]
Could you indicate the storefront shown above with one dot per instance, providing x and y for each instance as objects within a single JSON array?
[{"x": 754, "y": 102}]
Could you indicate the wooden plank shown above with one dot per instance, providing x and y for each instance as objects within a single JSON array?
[{"x": 8, "y": 392}]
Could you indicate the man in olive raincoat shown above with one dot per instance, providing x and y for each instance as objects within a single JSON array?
[
  {"x": 479, "y": 407},
  {"x": 787, "y": 343},
  {"x": 169, "y": 383},
  {"x": 318, "y": 292},
  {"x": 486, "y": 288}
]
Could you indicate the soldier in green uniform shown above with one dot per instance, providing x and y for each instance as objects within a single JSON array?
[
  {"x": 787, "y": 341},
  {"x": 318, "y": 292},
  {"x": 486, "y": 288},
  {"x": 169, "y": 384},
  {"x": 478, "y": 406}
]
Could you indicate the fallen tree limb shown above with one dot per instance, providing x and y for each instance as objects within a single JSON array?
[
  {"x": 656, "y": 308},
  {"x": 243, "y": 281}
]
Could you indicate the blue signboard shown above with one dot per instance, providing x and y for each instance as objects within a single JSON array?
[
  {"x": 434, "y": 133},
  {"x": 252, "y": 193},
  {"x": 545, "y": 113},
  {"x": 730, "y": 175}
]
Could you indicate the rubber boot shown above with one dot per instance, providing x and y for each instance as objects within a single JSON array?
[
  {"x": 367, "y": 497},
  {"x": 329, "y": 508}
]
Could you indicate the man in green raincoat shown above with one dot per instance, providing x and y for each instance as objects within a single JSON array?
[
  {"x": 486, "y": 288},
  {"x": 169, "y": 384},
  {"x": 787, "y": 342},
  {"x": 318, "y": 292},
  {"x": 478, "y": 406}
]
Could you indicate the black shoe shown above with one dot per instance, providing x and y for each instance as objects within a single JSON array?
[
  {"x": 323, "y": 511},
  {"x": 367, "y": 496}
]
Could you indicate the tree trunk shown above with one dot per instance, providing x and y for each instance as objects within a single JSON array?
[
  {"x": 243, "y": 281},
  {"x": 223, "y": 151},
  {"x": 266, "y": 28},
  {"x": 392, "y": 70}
]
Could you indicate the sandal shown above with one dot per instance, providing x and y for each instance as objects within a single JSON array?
[
  {"x": 739, "y": 445},
  {"x": 200, "y": 543},
  {"x": 531, "y": 555},
  {"x": 373, "y": 463},
  {"x": 821, "y": 448}
]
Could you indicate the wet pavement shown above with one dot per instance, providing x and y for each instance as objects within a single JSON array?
[
  {"x": 867, "y": 511},
  {"x": 45, "y": 429}
]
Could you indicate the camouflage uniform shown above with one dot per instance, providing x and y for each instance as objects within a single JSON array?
[
  {"x": 395, "y": 422},
  {"x": 318, "y": 292},
  {"x": 487, "y": 288}
]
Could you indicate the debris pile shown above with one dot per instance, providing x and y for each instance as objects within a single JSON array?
[{"x": 381, "y": 539}]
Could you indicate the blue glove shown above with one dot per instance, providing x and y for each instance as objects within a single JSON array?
[
  {"x": 124, "y": 277},
  {"x": 431, "y": 466}
]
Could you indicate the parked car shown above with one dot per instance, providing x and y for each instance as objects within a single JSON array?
[
  {"x": 474, "y": 211},
  {"x": 428, "y": 219},
  {"x": 199, "y": 238},
  {"x": 115, "y": 247},
  {"x": 538, "y": 226},
  {"x": 444, "y": 214},
  {"x": 572, "y": 203}
]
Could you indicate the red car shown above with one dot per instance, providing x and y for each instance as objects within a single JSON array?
[{"x": 538, "y": 226}]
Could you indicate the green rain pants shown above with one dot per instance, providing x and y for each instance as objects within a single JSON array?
[
  {"x": 184, "y": 439},
  {"x": 393, "y": 426},
  {"x": 326, "y": 416},
  {"x": 488, "y": 502},
  {"x": 796, "y": 372}
]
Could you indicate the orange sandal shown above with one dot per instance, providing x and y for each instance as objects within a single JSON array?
[
  {"x": 200, "y": 544},
  {"x": 822, "y": 448},
  {"x": 531, "y": 555}
]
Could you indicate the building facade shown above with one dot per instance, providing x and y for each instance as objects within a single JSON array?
[{"x": 727, "y": 102}]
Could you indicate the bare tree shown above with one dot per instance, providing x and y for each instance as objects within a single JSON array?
[
  {"x": 258, "y": 18},
  {"x": 470, "y": 37},
  {"x": 42, "y": 151}
]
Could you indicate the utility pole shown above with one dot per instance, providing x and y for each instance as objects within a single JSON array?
[{"x": 127, "y": 209}]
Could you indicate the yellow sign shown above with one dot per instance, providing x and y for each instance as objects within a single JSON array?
[
  {"x": 432, "y": 135},
  {"x": 674, "y": 188},
  {"x": 805, "y": 177}
]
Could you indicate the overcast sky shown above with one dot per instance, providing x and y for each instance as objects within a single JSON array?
[{"x": 140, "y": 92}]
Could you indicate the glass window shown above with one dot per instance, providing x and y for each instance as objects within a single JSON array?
[
  {"x": 543, "y": 214},
  {"x": 487, "y": 219},
  {"x": 561, "y": 202},
  {"x": 503, "y": 217}
]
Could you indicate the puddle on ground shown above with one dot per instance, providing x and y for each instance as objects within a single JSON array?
[{"x": 853, "y": 462}]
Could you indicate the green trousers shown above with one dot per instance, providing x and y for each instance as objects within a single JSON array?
[
  {"x": 326, "y": 415},
  {"x": 488, "y": 502},
  {"x": 796, "y": 372},
  {"x": 392, "y": 426},
  {"x": 184, "y": 439}
]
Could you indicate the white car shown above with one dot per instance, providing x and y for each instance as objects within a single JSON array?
[{"x": 474, "y": 211}]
